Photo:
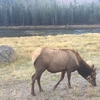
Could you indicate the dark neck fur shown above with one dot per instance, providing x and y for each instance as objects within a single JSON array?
[{"x": 84, "y": 69}]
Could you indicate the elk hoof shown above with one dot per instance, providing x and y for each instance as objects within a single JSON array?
[
  {"x": 33, "y": 94},
  {"x": 41, "y": 90},
  {"x": 54, "y": 88},
  {"x": 70, "y": 87}
]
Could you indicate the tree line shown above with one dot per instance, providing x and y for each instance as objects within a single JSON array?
[{"x": 47, "y": 12}]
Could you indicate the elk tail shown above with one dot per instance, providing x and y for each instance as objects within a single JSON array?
[{"x": 35, "y": 54}]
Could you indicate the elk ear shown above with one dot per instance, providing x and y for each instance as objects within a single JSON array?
[{"x": 93, "y": 68}]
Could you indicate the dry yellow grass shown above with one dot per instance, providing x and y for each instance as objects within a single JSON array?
[{"x": 88, "y": 45}]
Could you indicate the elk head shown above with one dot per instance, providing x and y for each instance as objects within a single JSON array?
[{"x": 92, "y": 78}]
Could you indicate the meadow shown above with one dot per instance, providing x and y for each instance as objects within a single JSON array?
[{"x": 15, "y": 77}]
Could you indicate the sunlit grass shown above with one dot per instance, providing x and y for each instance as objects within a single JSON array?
[{"x": 88, "y": 46}]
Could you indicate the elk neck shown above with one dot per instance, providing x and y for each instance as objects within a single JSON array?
[{"x": 84, "y": 69}]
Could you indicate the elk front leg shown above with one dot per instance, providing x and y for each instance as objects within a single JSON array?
[
  {"x": 62, "y": 77},
  {"x": 69, "y": 76}
]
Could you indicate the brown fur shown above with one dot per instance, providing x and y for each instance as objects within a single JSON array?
[{"x": 60, "y": 60}]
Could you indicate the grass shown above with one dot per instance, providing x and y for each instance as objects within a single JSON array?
[
  {"x": 88, "y": 46},
  {"x": 85, "y": 43}
]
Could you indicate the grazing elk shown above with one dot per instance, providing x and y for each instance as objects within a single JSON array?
[{"x": 60, "y": 60}]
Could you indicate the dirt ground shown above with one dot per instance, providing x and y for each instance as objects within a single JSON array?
[{"x": 82, "y": 90}]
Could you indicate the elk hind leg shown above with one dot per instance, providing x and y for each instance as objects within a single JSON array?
[
  {"x": 38, "y": 81},
  {"x": 33, "y": 81},
  {"x": 38, "y": 76}
]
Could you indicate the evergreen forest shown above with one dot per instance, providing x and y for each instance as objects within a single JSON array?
[{"x": 48, "y": 12}]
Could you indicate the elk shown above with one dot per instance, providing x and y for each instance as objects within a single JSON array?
[{"x": 60, "y": 60}]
